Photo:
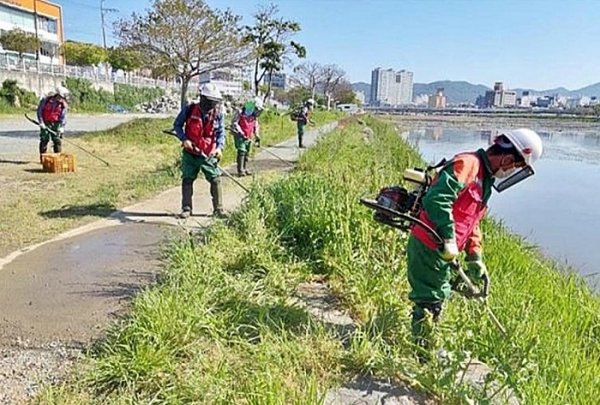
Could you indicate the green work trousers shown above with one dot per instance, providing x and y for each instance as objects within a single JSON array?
[
  {"x": 243, "y": 145},
  {"x": 301, "y": 125},
  {"x": 191, "y": 165},
  {"x": 46, "y": 135},
  {"x": 429, "y": 277}
]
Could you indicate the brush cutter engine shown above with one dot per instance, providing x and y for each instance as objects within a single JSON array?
[
  {"x": 399, "y": 199},
  {"x": 399, "y": 207}
]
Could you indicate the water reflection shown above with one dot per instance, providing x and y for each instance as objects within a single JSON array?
[{"x": 558, "y": 207}]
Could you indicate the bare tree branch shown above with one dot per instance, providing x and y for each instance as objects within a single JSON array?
[
  {"x": 308, "y": 75},
  {"x": 185, "y": 37}
]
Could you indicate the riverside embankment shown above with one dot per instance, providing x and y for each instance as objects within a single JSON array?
[{"x": 223, "y": 325}]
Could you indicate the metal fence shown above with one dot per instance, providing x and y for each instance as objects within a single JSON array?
[{"x": 93, "y": 73}]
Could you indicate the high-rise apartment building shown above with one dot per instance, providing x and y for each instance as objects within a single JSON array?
[
  {"x": 391, "y": 88},
  {"x": 500, "y": 97},
  {"x": 405, "y": 79}
]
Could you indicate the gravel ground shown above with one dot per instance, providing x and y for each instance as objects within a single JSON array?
[{"x": 24, "y": 368}]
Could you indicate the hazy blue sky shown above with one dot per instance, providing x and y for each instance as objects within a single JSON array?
[{"x": 528, "y": 43}]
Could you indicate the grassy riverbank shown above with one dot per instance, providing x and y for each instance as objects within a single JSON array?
[
  {"x": 221, "y": 327},
  {"x": 143, "y": 161}
]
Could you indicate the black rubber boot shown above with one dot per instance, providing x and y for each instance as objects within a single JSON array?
[
  {"x": 187, "y": 191},
  {"x": 245, "y": 164},
  {"x": 300, "y": 142},
  {"x": 57, "y": 146},
  {"x": 43, "y": 147},
  {"x": 217, "y": 197},
  {"x": 240, "y": 164},
  {"x": 424, "y": 318}
]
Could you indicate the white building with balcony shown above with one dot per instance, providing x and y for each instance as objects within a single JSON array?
[
  {"x": 229, "y": 81},
  {"x": 38, "y": 17}
]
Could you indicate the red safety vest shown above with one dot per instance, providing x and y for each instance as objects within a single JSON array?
[
  {"x": 248, "y": 125},
  {"x": 199, "y": 131},
  {"x": 52, "y": 110},
  {"x": 467, "y": 211}
]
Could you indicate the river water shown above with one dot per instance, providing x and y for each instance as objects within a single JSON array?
[{"x": 558, "y": 208}]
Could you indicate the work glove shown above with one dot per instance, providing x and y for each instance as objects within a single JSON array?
[
  {"x": 257, "y": 141},
  {"x": 61, "y": 132},
  {"x": 476, "y": 269},
  {"x": 42, "y": 125},
  {"x": 450, "y": 251},
  {"x": 187, "y": 144},
  {"x": 477, "y": 272},
  {"x": 217, "y": 154}
]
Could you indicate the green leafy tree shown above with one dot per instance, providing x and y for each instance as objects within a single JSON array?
[
  {"x": 126, "y": 59},
  {"x": 20, "y": 41},
  {"x": 185, "y": 38},
  {"x": 163, "y": 72},
  {"x": 83, "y": 54},
  {"x": 272, "y": 48}
]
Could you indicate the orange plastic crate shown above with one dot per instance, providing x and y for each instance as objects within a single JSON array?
[{"x": 58, "y": 162}]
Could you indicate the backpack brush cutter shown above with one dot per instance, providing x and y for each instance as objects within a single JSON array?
[{"x": 399, "y": 208}]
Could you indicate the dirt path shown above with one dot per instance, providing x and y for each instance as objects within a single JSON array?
[{"x": 59, "y": 295}]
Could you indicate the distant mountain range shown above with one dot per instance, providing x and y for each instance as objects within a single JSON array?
[{"x": 465, "y": 92}]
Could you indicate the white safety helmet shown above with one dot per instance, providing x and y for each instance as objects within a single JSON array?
[
  {"x": 310, "y": 101},
  {"x": 529, "y": 145},
  {"x": 62, "y": 91},
  {"x": 527, "y": 142},
  {"x": 211, "y": 91}
]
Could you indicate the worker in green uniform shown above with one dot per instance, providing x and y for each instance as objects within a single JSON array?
[{"x": 453, "y": 206}]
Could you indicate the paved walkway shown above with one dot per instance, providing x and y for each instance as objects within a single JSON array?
[{"x": 19, "y": 137}]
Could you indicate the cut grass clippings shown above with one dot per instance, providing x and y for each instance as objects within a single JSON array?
[
  {"x": 35, "y": 206},
  {"x": 221, "y": 327}
]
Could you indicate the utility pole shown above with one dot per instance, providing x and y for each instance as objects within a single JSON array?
[
  {"x": 35, "y": 25},
  {"x": 102, "y": 11}
]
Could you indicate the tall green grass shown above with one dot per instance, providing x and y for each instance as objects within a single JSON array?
[{"x": 221, "y": 326}]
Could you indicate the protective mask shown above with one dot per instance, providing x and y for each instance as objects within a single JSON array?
[
  {"x": 207, "y": 104},
  {"x": 502, "y": 174}
]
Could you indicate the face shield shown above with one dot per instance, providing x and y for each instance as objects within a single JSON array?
[
  {"x": 528, "y": 145},
  {"x": 518, "y": 176}
]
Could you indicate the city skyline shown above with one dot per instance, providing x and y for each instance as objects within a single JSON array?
[{"x": 534, "y": 44}]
